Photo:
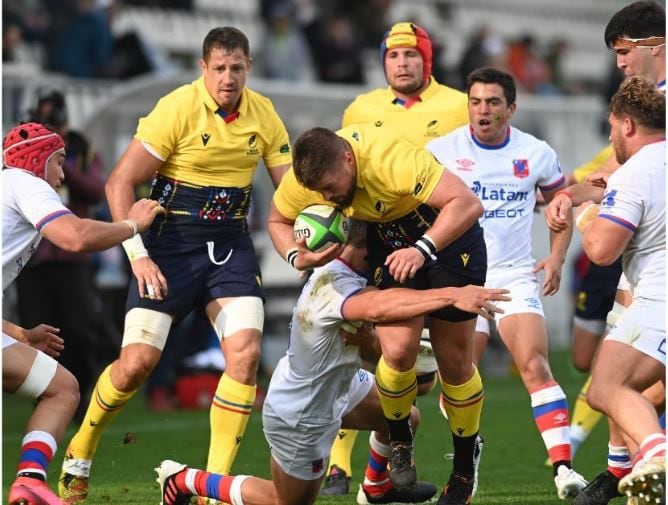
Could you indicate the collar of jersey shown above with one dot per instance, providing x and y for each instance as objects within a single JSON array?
[
  {"x": 349, "y": 266},
  {"x": 211, "y": 103},
  {"x": 485, "y": 146}
]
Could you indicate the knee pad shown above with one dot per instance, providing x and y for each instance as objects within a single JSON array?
[
  {"x": 242, "y": 313},
  {"x": 145, "y": 326},
  {"x": 41, "y": 373}
]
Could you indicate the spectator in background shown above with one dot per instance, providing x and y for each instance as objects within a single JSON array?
[
  {"x": 556, "y": 50},
  {"x": 13, "y": 46},
  {"x": 84, "y": 47},
  {"x": 530, "y": 70},
  {"x": 285, "y": 53},
  {"x": 40, "y": 285},
  {"x": 484, "y": 49},
  {"x": 336, "y": 51}
]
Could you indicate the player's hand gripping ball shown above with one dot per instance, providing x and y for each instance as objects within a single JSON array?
[{"x": 321, "y": 226}]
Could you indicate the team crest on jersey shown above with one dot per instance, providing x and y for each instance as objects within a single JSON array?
[
  {"x": 609, "y": 199},
  {"x": 465, "y": 165},
  {"x": 521, "y": 168},
  {"x": 252, "y": 143},
  {"x": 432, "y": 128}
]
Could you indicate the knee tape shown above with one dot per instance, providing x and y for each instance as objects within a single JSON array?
[
  {"x": 41, "y": 373},
  {"x": 242, "y": 313},
  {"x": 145, "y": 326}
]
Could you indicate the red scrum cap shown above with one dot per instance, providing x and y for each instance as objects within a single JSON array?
[
  {"x": 408, "y": 35},
  {"x": 29, "y": 146}
]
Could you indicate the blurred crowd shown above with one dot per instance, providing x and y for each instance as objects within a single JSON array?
[{"x": 302, "y": 40}]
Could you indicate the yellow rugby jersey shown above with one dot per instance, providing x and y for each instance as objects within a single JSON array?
[
  {"x": 440, "y": 110},
  {"x": 199, "y": 147},
  {"x": 393, "y": 178},
  {"x": 592, "y": 165}
]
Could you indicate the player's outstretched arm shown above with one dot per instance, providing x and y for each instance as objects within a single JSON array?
[
  {"x": 399, "y": 304},
  {"x": 71, "y": 233},
  {"x": 42, "y": 337}
]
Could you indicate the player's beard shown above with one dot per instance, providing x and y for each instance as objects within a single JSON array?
[
  {"x": 346, "y": 200},
  {"x": 410, "y": 89}
]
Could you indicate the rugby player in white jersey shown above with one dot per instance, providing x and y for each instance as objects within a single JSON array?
[
  {"x": 504, "y": 166},
  {"x": 631, "y": 220},
  {"x": 32, "y": 170},
  {"x": 636, "y": 34},
  {"x": 319, "y": 387}
]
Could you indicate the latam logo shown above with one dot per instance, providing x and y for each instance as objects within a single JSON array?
[{"x": 502, "y": 194}]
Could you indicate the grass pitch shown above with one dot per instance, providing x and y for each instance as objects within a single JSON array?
[{"x": 512, "y": 469}]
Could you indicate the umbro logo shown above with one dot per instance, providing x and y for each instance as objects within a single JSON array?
[
  {"x": 465, "y": 165},
  {"x": 561, "y": 418},
  {"x": 205, "y": 138}
]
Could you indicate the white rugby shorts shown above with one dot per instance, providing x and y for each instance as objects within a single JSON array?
[
  {"x": 642, "y": 326},
  {"x": 524, "y": 291},
  {"x": 302, "y": 452}
]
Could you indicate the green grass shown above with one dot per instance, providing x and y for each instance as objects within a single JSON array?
[{"x": 512, "y": 470}]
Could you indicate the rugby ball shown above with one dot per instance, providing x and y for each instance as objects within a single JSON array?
[{"x": 321, "y": 226}]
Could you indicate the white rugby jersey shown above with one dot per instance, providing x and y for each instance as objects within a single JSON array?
[
  {"x": 505, "y": 178},
  {"x": 635, "y": 198},
  {"x": 309, "y": 386},
  {"x": 28, "y": 204}
]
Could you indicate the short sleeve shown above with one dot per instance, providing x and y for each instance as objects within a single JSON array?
[
  {"x": 623, "y": 201},
  {"x": 278, "y": 150},
  {"x": 291, "y": 197},
  {"x": 160, "y": 129}
]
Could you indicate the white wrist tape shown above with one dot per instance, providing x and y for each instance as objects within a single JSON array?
[
  {"x": 133, "y": 226},
  {"x": 134, "y": 248}
]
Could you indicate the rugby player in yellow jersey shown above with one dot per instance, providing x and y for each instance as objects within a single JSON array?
[
  {"x": 414, "y": 101},
  {"x": 423, "y": 233},
  {"x": 420, "y": 109},
  {"x": 202, "y": 143}
]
